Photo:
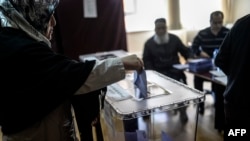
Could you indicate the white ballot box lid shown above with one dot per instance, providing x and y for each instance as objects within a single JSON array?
[{"x": 164, "y": 94}]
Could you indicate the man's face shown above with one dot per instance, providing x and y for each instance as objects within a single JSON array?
[
  {"x": 160, "y": 28},
  {"x": 216, "y": 22}
]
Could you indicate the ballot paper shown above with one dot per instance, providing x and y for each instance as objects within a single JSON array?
[
  {"x": 220, "y": 76},
  {"x": 222, "y": 79},
  {"x": 140, "y": 81},
  {"x": 218, "y": 73},
  {"x": 181, "y": 66}
]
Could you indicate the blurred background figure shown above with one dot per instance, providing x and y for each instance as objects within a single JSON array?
[
  {"x": 161, "y": 52},
  {"x": 233, "y": 59},
  {"x": 204, "y": 44}
]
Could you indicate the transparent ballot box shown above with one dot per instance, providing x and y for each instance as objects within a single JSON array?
[{"x": 159, "y": 117}]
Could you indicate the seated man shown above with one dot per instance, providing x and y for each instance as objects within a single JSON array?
[
  {"x": 206, "y": 41},
  {"x": 204, "y": 44},
  {"x": 161, "y": 52}
]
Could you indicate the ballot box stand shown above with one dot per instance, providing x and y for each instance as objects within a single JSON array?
[{"x": 124, "y": 112}]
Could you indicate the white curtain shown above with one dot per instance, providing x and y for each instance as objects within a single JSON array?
[
  {"x": 227, "y": 8},
  {"x": 195, "y": 14}
]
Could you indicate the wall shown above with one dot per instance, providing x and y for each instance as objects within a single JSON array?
[
  {"x": 76, "y": 34},
  {"x": 136, "y": 40},
  {"x": 240, "y": 8},
  {"x": 139, "y": 19}
]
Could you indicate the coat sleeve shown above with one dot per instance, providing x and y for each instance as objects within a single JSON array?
[{"x": 104, "y": 73}]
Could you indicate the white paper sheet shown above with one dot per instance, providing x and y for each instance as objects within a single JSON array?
[
  {"x": 217, "y": 73},
  {"x": 90, "y": 9},
  {"x": 222, "y": 79},
  {"x": 181, "y": 66}
]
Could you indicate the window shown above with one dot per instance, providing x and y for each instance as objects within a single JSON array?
[
  {"x": 195, "y": 14},
  {"x": 141, "y": 14},
  {"x": 129, "y": 7}
]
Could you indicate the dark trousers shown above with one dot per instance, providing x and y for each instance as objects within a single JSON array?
[
  {"x": 219, "y": 107},
  {"x": 218, "y": 90},
  {"x": 198, "y": 84},
  {"x": 87, "y": 110}
]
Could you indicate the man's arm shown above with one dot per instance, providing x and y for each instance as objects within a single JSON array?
[
  {"x": 186, "y": 52},
  {"x": 195, "y": 48}
]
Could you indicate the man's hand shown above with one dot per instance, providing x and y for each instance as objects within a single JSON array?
[{"x": 204, "y": 55}]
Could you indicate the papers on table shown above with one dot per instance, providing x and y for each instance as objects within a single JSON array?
[
  {"x": 217, "y": 73},
  {"x": 90, "y": 58},
  {"x": 219, "y": 76},
  {"x": 222, "y": 79},
  {"x": 181, "y": 66}
]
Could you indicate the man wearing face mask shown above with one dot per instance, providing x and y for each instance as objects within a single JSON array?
[
  {"x": 37, "y": 84},
  {"x": 161, "y": 52}
]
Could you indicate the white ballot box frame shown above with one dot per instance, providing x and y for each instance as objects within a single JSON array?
[
  {"x": 121, "y": 106},
  {"x": 124, "y": 108}
]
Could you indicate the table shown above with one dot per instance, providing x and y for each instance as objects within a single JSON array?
[
  {"x": 212, "y": 75},
  {"x": 215, "y": 75},
  {"x": 220, "y": 80}
]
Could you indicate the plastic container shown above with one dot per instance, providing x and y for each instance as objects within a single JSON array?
[
  {"x": 155, "y": 118},
  {"x": 200, "y": 65}
]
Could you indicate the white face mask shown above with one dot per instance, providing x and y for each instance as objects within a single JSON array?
[{"x": 161, "y": 39}]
